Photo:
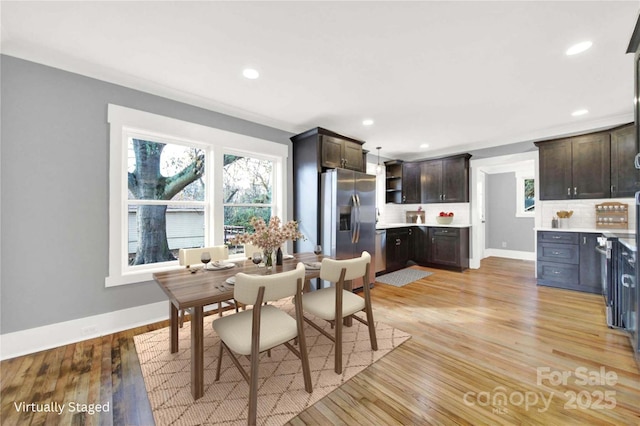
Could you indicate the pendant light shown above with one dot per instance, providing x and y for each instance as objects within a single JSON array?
[{"x": 378, "y": 167}]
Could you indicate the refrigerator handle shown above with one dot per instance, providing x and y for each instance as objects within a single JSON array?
[
  {"x": 354, "y": 220},
  {"x": 357, "y": 204}
]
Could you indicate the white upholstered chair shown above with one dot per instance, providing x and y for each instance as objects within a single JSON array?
[
  {"x": 263, "y": 327},
  {"x": 334, "y": 304},
  {"x": 189, "y": 257}
]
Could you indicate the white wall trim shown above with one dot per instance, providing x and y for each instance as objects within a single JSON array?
[
  {"x": 51, "y": 336},
  {"x": 510, "y": 254}
]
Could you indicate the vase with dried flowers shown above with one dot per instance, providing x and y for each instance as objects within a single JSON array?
[{"x": 269, "y": 237}]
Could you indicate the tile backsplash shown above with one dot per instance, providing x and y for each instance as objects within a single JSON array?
[
  {"x": 396, "y": 213},
  {"x": 584, "y": 211}
]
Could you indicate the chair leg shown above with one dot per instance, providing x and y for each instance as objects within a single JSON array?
[
  {"x": 181, "y": 317},
  {"x": 338, "y": 348},
  {"x": 253, "y": 391},
  {"x": 219, "y": 362},
  {"x": 372, "y": 327}
]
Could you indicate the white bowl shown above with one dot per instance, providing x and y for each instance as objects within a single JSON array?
[{"x": 444, "y": 220}]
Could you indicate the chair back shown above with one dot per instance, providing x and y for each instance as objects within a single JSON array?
[
  {"x": 276, "y": 286},
  {"x": 249, "y": 249},
  {"x": 355, "y": 268},
  {"x": 192, "y": 256}
]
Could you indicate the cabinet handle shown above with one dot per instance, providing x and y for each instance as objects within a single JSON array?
[
  {"x": 398, "y": 241},
  {"x": 556, "y": 237},
  {"x": 569, "y": 192},
  {"x": 404, "y": 198},
  {"x": 556, "y": 272},
  {"x": 584, "y": 240},
  {"x": 613, "y": 189},
  {"x": 575, "y": 190},
  {"x": 444, "y": 196},
  {"x": 555, "y": 253},
  {"x": 433, "y": 239}
]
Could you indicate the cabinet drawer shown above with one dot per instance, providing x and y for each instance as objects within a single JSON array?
[
  {"x": 561, "y": 253},
  {"x": 445, "y": 232},
  {"x": 558, "y": 272},
  {"x": 558, "y": 237}
]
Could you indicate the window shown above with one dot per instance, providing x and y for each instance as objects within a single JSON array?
[
  {"x": 175, "y": 184},
  {"x": 525, "y": 196},
  {"x": 247, "y": 192}
]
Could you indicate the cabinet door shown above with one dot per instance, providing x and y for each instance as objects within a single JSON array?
[
  {"x": 590, "y": 260},
  {"x": 397, "y": 249},
  {"x": 411, "y": 187},
  {"x": 352, "y": 155},
  {"x": 420, "y": 246},
  {"x": 591, "y": 166},
  {"x": 445, "y": 247},
  {"x": 331, "y": 152},
  {"x": 455, "y": 180},
  {"x": 625, "y": 178},
  {"x": 555, "y": 170},
  {"x": 432, "y": 181}
]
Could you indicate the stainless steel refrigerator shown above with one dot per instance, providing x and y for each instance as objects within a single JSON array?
[{"x": 348, "y": 216}]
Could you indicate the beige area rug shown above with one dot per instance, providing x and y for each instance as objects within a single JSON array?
[{"x": 281, "y": 389}]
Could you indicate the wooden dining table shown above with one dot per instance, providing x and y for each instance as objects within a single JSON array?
[{"x": 188, "y": 290}]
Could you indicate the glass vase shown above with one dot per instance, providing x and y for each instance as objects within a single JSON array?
[{"x": 268, "y": 259}]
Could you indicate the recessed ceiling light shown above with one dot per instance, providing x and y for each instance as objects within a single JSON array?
[
  {"x": 578, "y": 48},
  {"x": 579, "y": 112},
  {"x": 250, "y": 73},
  {"x": 424, "y": 145},
  {"x": 367, "y": 122}
]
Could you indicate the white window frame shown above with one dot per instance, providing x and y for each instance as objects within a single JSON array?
[
  {"x": 520, "y": 211},
  {"x": 124, "y": 122}
]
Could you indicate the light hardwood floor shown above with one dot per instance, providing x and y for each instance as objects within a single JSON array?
[{"x": 486, "y": 345}]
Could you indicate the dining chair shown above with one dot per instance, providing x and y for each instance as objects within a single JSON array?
[
  {"x": 335, "y": 304},
  {"x": 263, "y": 327},
  {"x": 189, "y": 257}
]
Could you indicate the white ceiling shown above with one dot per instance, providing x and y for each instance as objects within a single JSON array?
[{"x": 459, "y": 76}]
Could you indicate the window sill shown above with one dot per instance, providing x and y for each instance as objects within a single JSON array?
[{"x": 136, "y": 277}]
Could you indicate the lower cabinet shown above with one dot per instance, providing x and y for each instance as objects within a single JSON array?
[
  {"x": 397, "y": 250},
  {"x": 440, "y": 247},
  {"x": 569, "y": 260},
  {"x": 448, "y": 247}
]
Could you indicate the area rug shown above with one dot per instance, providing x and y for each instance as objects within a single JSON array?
[
  {"x": 281, "y": 389},
  {"x": 402, "y": 277}
]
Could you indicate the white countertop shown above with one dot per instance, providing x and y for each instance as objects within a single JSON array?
[
  {"x": 617, "y": 232},
  {"x": 429, "y": 224}
]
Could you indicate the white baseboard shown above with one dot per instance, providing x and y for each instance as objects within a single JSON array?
[
  {"x": 510, "y": 254},
  {"x": 51, "y": 336}
]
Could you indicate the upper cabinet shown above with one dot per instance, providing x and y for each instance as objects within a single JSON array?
[
  {"x": 625, "y": 178},
  {"x": 411, "y": 186},
  {"x": 596, "y": 165},
  {"x": 328, "y": 150},
  {"x": 576, "y": 167},
  {"x": 338, "y": 152},
  {"x": 446, "y": 180}
]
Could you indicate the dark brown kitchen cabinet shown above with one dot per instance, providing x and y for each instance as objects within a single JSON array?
[
  {"x": 315, "y": 151},
  {"x": 575, "y": 168},
  {"x": 341, "y": 153},
  {"x": 625, "y": 178},
  {"x": 569, "y": 260},
  {"x": 448, "y": 247},
  {"x": 411, "y": 185},
  {"x": 397, "y": 251},
  {"x": 446, "y": 180},
  {"x": 393, "y": 181}
]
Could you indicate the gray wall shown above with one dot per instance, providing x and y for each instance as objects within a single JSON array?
[
  {"x": 500, "y": 214},
  {"x": 54, "y": 192}
]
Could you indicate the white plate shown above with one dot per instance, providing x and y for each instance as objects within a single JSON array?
[
  {"x": 312, "y": 265},
  {"x": 231, "y": 280},
  {"x": 287, "y": 257},
  {"x": 216, "y": 266}
]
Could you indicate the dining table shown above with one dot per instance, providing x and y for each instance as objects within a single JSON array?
[{"x": 195, "y": 288}]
